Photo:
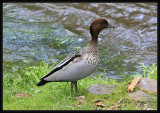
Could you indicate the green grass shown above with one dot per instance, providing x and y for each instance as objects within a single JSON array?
[
  {"x": 147, "y": 72},
  {"x": 58, "y": 96}
]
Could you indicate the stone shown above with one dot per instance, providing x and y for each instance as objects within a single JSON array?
[
  {"x": 139, "y": 95},
  {"x": 148, "y": 85},
  {"x": 98, "y": 89}
]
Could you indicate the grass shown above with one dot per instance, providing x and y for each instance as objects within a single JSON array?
[
  {"x": 58, "y": 96},
  {"x": 147, "y": 72}
]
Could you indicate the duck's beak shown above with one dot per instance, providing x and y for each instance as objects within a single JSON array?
[{"x": 110, "y": 26}]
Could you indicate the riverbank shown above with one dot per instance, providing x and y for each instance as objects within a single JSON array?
[{"x": 21, "y": 92}]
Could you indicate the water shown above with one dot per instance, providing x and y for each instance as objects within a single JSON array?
[{"x": 33, "y": 32}]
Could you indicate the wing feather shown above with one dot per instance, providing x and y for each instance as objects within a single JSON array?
[{"x": 63, "y": 63}]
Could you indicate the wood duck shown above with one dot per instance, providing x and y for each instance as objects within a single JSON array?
[{"x": 79, "y": 64}]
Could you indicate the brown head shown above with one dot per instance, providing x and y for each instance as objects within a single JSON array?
[
  {"x": 95, "y": 28},
  {"x": 98, "y": 25}
]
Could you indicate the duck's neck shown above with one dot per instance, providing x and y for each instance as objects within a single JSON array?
[{"x": 93, "y": 42}]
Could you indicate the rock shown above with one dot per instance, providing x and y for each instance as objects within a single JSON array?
[
  {"x": 148, "y": 85},
  {"x": 139, "y": 95},
  {"x": 144, "y": 85},
  {"x": 98, "y": 89}
]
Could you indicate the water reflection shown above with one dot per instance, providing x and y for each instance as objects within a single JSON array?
[{"x": 33, "y": 32}]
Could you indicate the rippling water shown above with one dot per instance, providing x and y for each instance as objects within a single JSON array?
[{"x": 33, "y": 32}]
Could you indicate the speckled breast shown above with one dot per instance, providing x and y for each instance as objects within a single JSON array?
[{"x": 91, "y": 55}]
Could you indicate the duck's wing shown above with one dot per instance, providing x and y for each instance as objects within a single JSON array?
[{"x": 63, "y": 63}]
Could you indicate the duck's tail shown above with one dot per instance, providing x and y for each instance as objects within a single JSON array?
[{"x": 42, "y": 82}]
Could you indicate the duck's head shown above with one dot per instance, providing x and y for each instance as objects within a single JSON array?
[{"x": 98, "y": 25}]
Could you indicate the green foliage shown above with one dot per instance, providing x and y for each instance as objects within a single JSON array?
[{"x": 147, "y": 72}]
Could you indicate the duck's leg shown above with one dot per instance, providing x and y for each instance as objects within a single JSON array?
[
  {"x": 72, "y": 83},
  {"x": 76, "y": 86}
]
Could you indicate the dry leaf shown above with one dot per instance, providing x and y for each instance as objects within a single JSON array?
[
  {"x": 99, "y": 104},
  {"x": 81, "y": 97},
  {"x": 79, "y": 101},
  {"x": 131, "y": 86},
  {"x": 22, "y": 95},
  {"x": 145, "y": 106},
  {"x": 98, "y": 101},
  {"x": 113, "y": 107}
]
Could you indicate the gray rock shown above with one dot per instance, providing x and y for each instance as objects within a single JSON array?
[
  {"x": 139, "y": 95},
  {"x": 98, "y": 89},
  {"x": 148, "y": 84}
]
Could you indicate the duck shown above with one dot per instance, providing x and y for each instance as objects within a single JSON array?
[{"x": 81, "y": 63}]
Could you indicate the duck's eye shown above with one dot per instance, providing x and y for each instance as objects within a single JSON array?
[{"x": 101, "y": 23}]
